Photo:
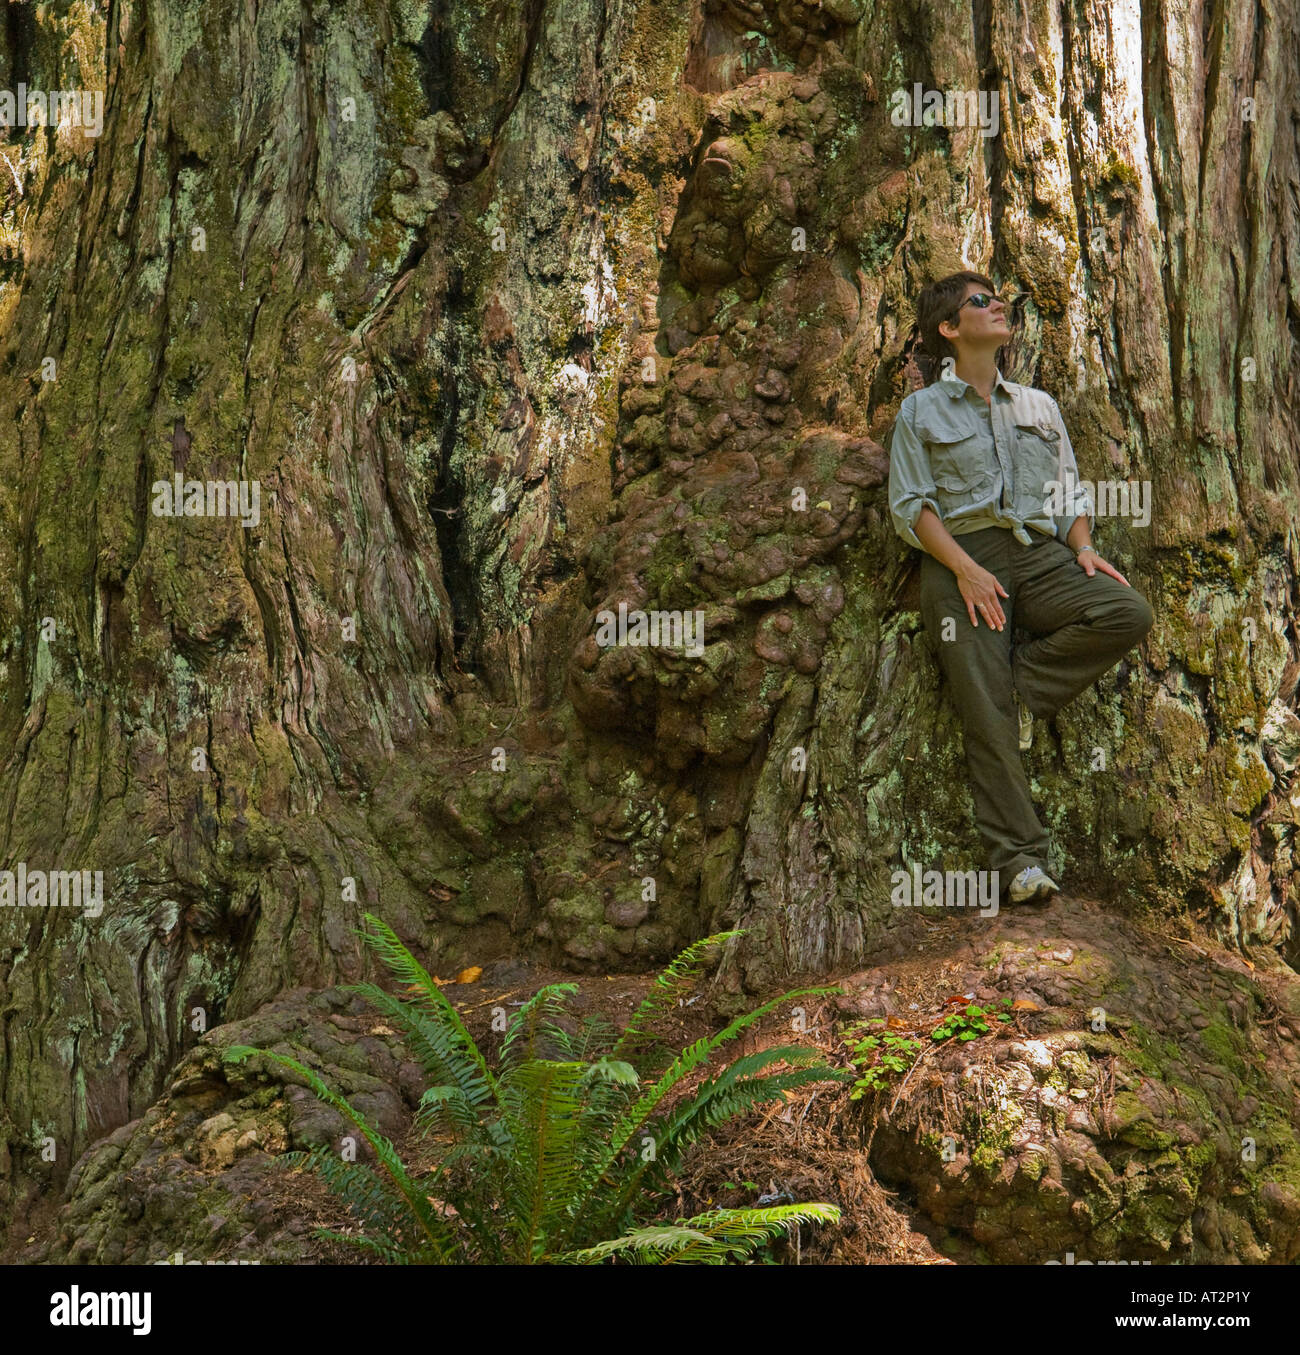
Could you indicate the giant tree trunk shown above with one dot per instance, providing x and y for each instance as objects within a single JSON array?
[{"x": 518, "y": 312}]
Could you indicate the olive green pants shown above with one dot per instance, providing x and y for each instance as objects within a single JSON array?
[{"x": 1083, "y": 627}]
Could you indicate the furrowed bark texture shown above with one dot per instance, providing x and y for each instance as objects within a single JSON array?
[{"x": 519, "y": 311}]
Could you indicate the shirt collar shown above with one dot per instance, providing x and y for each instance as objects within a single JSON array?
[{"x": 956, "y": 387}]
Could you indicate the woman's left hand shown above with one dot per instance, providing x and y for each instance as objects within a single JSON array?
[{"x": 1090, "y": 562}]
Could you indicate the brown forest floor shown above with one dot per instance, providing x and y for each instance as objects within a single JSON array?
[{"x": 815, "y": 1146}]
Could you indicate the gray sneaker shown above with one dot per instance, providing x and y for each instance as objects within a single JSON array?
[
  {"x": 1032, "y": 885},
  {"x": 1026, "y": 721}
]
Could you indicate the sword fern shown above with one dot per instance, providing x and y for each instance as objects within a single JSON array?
[{"x": 553, "y": 1159}]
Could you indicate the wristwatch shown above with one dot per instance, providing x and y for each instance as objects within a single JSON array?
[{"x": 1081, "y": 549}]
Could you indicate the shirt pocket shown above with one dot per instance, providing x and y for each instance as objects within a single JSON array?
[
  {"x": 1038, "y": 459},
  {"x": 958, "y": 463}
]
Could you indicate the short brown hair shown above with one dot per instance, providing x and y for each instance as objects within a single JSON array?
[{"x": 938, "y": 302}]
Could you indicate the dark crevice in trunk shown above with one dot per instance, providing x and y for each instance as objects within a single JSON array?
[
  {"x": 20, "y": 40},
  {"x": 446, "y": 508},
  {"x": 435, "y": 52}
]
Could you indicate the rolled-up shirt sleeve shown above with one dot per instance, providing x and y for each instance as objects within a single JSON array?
[
  {"x": 1079, "y": 502},
  {"x": 911, "y": 486}
]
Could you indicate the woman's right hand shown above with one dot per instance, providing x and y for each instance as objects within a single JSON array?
[{"x": 980, "y": 589}]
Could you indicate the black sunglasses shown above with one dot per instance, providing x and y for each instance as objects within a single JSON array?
[{"x": 981, "y": 301}]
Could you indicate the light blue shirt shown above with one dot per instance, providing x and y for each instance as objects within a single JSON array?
[{"x": 983, "y": 465}]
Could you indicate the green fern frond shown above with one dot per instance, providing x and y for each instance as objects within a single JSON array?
[
  {"x": 544, "y": 1008},
  {"x": 714, "y": 1238},
  {"x": 393, "y": 1254},
  {"x": 698, "y": 1053},
  {"x": 434, "y": 1041},
  {"x": 734, "y": 1092},
  {"x": 671, "y": 983},
  {"x": 427, "y": 995},
  {"x": 368, "y": 1199},
  {"x": 388, "y": 1252},
  {"x": 685, "y": 1063},
  {"x": 719, "y": 1106},
  {"x": 739, "y": 1086},
  {"x": 612, "y": 1070},
  {"x": 437, "y": 1235},
  {"x": 543, "y": 1102},
  {"x": 359, "y": 1187},
  {"x": 595, "y": 1039},
  {"x": 446, "y": 1110}
]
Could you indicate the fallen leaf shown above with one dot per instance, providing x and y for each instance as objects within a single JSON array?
[
  {"x": 469, "y": 975},
  {"x": 897, "y": 1023},
  {"x": 1023, "y": 1004}
]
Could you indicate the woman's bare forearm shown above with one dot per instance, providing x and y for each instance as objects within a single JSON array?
[{"x": 939, "y": 542}]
